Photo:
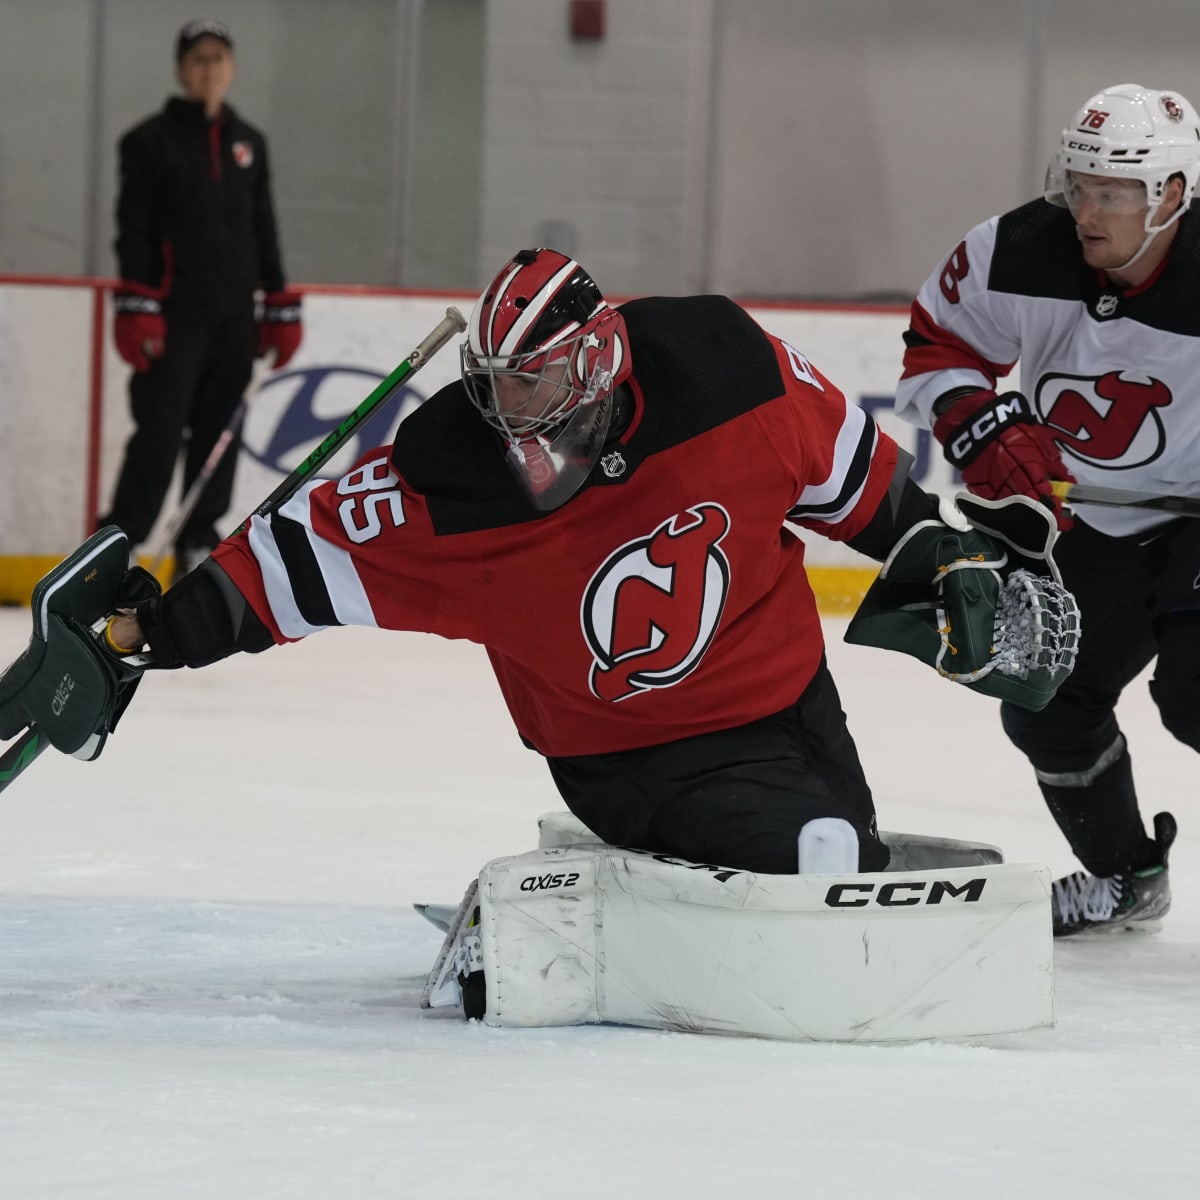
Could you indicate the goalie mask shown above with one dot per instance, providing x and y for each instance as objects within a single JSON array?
[
  {"x": 543, "y": 356},
  {"x": 1128, "y": 132}
]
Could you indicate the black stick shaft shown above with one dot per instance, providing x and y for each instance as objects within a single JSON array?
[
  {"x": 21, "y": 754},
  {"x": 1086, "y": 493}
]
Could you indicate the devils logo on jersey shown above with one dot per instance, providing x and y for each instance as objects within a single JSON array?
[
  {"x": 1108, "y": 421},
  {"x": 651, "y": 610}
]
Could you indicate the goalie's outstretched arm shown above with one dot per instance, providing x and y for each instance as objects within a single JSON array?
[{"x": 201, "y": 620}]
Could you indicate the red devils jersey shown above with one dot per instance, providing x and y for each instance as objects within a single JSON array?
[
  {"x": 664, "y": 600},
  {"x": 1115, "y": 374}
]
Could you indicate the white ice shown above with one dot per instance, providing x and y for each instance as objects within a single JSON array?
[{"x": 209, "y": 968}]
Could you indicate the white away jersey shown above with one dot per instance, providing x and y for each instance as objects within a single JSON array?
[{"x": 1115, "y": 374}]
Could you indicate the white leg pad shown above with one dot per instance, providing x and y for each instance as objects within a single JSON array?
[{"x": 584, "y": 934}]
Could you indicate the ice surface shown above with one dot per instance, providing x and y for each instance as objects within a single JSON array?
[{"x": 209, "y": 968}]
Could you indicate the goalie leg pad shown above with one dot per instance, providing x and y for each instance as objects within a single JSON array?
[{"x": 589, "y": 934}]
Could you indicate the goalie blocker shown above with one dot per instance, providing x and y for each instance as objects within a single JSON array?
[
  {"x": 582, "y": 933},
  {"x": 67, "y": 685}
]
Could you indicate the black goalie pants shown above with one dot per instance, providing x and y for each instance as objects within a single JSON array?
[
  {"x": 194, "y": 389},
  {"x": 735, "y": 798}
]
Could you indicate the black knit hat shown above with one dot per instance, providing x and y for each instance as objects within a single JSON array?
[{"x": 193, "y": 31}]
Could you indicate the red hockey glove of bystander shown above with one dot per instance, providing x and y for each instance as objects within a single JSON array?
[
  {"x": 139, "y": 331},
  {"x": 279, "y": 326},
  {"x": 1002, "y": 449}
]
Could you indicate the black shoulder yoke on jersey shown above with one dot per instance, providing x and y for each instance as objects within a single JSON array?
[
  {"x": 698, "y": 362},
  {"x": 1037, "y": 254}
]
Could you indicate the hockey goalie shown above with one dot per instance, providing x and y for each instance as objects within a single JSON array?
[{"x": 603, "y": 501}]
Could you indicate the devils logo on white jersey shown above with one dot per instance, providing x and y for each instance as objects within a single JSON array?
[
  {"x": 651, "y": 610},
  {"x": 1108, "y": 421}
]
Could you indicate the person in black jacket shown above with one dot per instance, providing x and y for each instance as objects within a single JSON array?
[{"x": 202, "y": 288}]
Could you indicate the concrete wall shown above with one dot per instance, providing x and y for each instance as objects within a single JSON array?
[
  {"x": 333, "y": 87},
  {"x": 771, "y": 148}
]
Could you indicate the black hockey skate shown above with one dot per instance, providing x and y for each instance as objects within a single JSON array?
[{"x": 1134, "y": 900}]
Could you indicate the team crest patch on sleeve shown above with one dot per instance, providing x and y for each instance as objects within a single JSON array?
[
  {"x": 243, "y": 154},
  {"x": 651, "y": 611}
]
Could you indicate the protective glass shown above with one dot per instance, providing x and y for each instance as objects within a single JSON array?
[
  {"x": 552, "y": 467},
  {"x": 1113, "y": 197}
]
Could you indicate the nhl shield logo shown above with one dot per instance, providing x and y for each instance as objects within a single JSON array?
[
  {"x": 613, "y": 464},
  {"x": 243, "y": 154},
  {"x": 1106, "y": 305}
]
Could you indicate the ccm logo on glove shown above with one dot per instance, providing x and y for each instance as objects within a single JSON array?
[
  {"x": 985, "y": 423},
  {"x": 1002, "y": 449}
]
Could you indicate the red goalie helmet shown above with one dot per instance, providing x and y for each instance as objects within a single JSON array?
[{"x": 543, "y": 356}]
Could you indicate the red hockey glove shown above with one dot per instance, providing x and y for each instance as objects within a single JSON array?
[
  {"x": 1002, "y": 449},
  {"x": 139, "y": 330},
  {"x": 279, "y": 326}
]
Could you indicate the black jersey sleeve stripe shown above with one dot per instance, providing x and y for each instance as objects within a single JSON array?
[
  {"x": 304, "y": 573},
  {"x": 854, "y": 480}
]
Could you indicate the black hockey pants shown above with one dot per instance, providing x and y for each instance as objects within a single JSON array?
[
  {"x": 195, "y": 387},
  {"x": 734, "y": 798}
]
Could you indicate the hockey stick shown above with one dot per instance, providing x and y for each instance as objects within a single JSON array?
[
  {"x": 20, "y": 754},
  {"x": 453, "y": 322},
  {"x": 32, "y": 742},
  {"x": 1086, "y": 493},
  {"x": 191, "y": 498}
]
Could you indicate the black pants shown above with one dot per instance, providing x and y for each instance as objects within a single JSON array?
[
  {"x": 195, "y": 387},
  {"x": 734, "y": 798},
  {"x": 1130, "y": 591}
]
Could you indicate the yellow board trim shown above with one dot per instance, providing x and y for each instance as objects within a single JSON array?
[
  {"x": 839, "y": 590},
  {"x": 19, "y": 574}
]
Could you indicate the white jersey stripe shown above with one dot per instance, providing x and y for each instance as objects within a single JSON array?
[
  {"x": 533, "y": 310},
  {"x": 847, "y": 477},
  {"x": 346, "y": 592},
  {"x": 276, "y": 582}
]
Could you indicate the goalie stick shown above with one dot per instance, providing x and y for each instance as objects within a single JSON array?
[
  {"x": 22, "y": 753},
  {"x": 453, "y": 322},
  {"x": 1086, "y": 493}
]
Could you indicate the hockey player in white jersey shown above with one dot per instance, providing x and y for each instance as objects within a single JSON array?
[{"x": 1093, "y": 289}]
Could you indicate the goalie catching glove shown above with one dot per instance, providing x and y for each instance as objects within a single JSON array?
[
  {"x": 977, "y": 596},
  {"x": 72, "y": 682}
]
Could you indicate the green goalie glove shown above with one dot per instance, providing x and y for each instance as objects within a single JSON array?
[
  {"x": 70, "y": 683},
  {"x": 978, "y": 597}
]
